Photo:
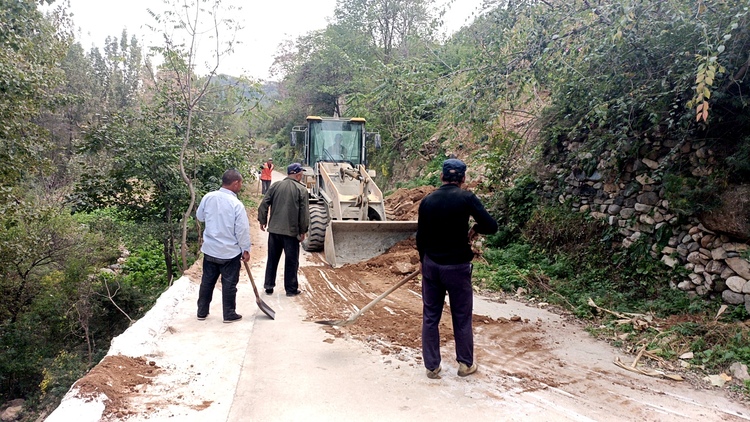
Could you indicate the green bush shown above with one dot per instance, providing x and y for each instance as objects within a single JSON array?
[
  {"x": 145, "y": 269},
  {"x": 556, "y": 229},
  {"x": 689, "y": 195},
  {"x": 65, "y": 369},
  {"x": 518, "y": 254},
  {"x": 739, "y": 162},
  {"x": 504, "y": 277},
  {"x": 430, "y": 175},
  {"x": 513, "y": 208}
]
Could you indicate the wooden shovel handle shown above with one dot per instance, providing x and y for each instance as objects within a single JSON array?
[
  {"x": 252, "y": 282},
  {"x": 389, "y": 291}
]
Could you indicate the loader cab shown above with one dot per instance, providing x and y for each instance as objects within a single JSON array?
[
  {"x": 335, "y": 140},
  {"x": 335, "y": 162}
]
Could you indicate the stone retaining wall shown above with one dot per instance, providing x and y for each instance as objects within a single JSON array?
[{"x": 634, "y": 201}]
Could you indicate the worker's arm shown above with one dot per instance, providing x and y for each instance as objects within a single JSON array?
[
  {"x": 485, "y": 224},
  {"x": 265, "y": 203}
]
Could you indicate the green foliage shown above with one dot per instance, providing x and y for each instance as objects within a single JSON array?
[
  {"x": 690, "y": 195},
  {"x": 739, "y": 162},
  {"x": 116, "y": 229},
  {"x": 514, "y": 206},
  {"x": 503, "y": 277},
  {"x": 65, "y": 369},
  {"x": 732, "y": 347},
  {"x": 22, "y": 350},
  {"x": 28, "y": 77},
  {"x": 56, "y": 299},
  {"x": 99, "y": 123},
  {"x": 568, "y": 258},
  {"x": 502, "y": 160},
  {"x": 144, "y": 269},
  {"x": 394, "y": 27},
  {"x": 557, "y": 229},
  {"x": 517, "y": 254},
  {"x": 430, "y": 175},
  {"x": 34, "y": 240}
]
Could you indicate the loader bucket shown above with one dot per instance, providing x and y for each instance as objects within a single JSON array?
[{"x": 349, "y": 242}]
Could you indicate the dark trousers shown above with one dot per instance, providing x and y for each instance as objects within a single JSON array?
[
  {"x": 456, "y": 280},
  {"x": 229, "y": 270},
  {"x": 265, "y": 184},
  {"x": 278, "y": 243}
]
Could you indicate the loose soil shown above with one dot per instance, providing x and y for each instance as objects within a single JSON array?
[{"x": 116, "y": 378}]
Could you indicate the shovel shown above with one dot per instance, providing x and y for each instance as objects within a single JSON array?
[
  {"x": 356, "y": 315},
  {"x": 262, "y": 305}
]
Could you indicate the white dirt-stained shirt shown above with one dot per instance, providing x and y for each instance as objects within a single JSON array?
[{"x": 227, "y": 229}]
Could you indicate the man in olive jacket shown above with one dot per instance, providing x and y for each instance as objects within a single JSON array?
[{"x": 287, "y": 227}]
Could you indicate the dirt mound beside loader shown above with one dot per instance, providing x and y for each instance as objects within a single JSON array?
[{"x": 403, "y": 204}]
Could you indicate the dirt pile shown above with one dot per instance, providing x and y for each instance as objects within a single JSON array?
[
  {"x": 403, "y": 204},
  {"x": 117, "y": 377}
]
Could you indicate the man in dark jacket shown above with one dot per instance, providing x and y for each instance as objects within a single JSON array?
[
  {"x": 444, "y": 245},
  {"x": 287, "y": 227}
]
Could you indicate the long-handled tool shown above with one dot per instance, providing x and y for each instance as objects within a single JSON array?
[
  {"x": 262, "y": 305},
  {"x": 356, "y": 315}
]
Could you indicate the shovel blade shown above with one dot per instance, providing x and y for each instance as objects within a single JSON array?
[
  {"x": 336, "y": 323},
  {"x": 266, "y": 309},
  {"x": 262, "y": 305}
]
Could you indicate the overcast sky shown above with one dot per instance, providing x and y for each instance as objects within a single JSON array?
[{"x": 266, "y": 24}]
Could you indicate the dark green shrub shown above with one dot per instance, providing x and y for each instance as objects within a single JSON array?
[
  {"x": 690, "y": 195},
  {"x": 739, "y": 162},
  {"x": 144, "y": 269},
  {"x": 558, "y": 230},
  {"x": 61, "y": 372},
  {"x": 512, "y": 208}
]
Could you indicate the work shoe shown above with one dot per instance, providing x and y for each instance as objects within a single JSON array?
[
  {"x": 465, "y": 370},
  {"x": 269, "y": 291},
  {"x": 295, "y": 293},
  {"x": 234, "y": 318},
  {"x": 434, "y": 374}
]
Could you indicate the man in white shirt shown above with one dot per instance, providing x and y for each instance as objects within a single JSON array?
[{"x": 226, "y": 241}]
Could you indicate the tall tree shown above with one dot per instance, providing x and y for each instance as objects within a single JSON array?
[
  {"x": 390, "y": 24},
  {"x": 321, "y": 67},
  {"x": 28, "y": 75},
  {"x": 195, "y": 19},
  {"x": 118, "y": 72}
]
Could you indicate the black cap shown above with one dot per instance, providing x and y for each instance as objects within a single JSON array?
[
  {"x": 454, "y": 167},
  {"x": 294, "y": 168}
]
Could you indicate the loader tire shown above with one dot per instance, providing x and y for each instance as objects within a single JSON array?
[{"x": 316, "y": 234}]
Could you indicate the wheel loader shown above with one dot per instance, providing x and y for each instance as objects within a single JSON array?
[{"x": 347, "y": 210}]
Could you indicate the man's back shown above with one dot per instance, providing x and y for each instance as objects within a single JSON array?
[
  {"x": 443, "y": 224},
  {"x": 223, "y": 215},
  {"x": 289, "y": 208}
]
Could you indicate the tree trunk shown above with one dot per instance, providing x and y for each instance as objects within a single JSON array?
[
  {"x": 189, "y": 182},
  {"x": 168, "y": 243}
]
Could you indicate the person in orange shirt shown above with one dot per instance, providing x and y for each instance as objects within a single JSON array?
[{"x": 265, "y": 175}]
